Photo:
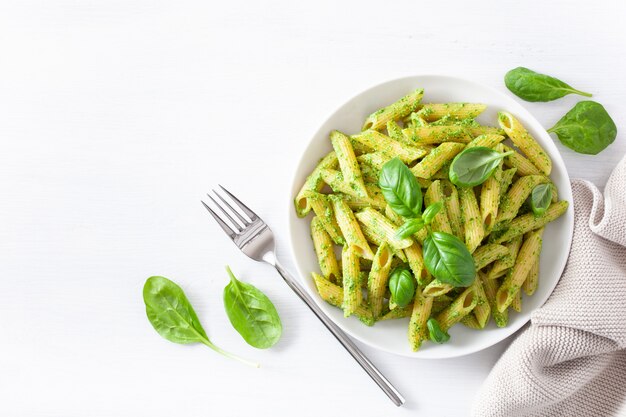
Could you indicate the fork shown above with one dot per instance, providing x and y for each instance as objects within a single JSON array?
[{"x": 255, "y": 239}]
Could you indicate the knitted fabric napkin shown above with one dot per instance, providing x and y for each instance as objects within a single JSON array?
[{"x": 571, "y": 360}]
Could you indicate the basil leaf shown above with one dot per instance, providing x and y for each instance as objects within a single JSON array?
[
  {"x": 474, "y": 165},
  {"x": 587, "y": 128},
  {"x": 402, "y": 286},
  {"x": 409, "y": 228},
  {"x": 532, "y": 86},
  {"x": 251, "y": 313},
  {"x": 401, "y": 189},
  {"x": 173, "y": 317},
  {"x": 448, "y": 259},
  {"x": 431, "y": 211},
  {"x": 435, "y": 333},
  {"x": 540, "y": 198}
]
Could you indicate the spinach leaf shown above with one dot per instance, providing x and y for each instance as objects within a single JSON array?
[
  {"x": 540, "y": 198},
  {"x": 173, "y": 317},
  {"x": 448, "y": 259},
  {"x": 431, "y": 211},
  {"x": 532, "y": 86},
  {"x": 474, "y": 165},
  {"x": 409, "y": 228},
  {"x": 587, "y": 128},
  {"x": 401, "y": 189},
  {"x": 435, "y": 333},
  {"x": 402, "y": 286},
  {"x": 251, "y": 313}
]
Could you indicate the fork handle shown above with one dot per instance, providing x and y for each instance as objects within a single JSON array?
[{"x": 347, "y": 343}]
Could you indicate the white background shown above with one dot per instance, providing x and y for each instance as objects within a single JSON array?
[{"x": 117, "y": 115}]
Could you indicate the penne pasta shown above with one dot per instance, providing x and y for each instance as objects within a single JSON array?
[
  {"x": 377, "y": 279},
  {"x": 507, "y": 261},
  {"x": 348, "y": 163},
  {"x": 352, "y": 295},
  {"x": 436, "y": 159},
  {"x": 436, "y": 288},
  {"x": 394, "y": 111},
  {"x": 490, "y": 199},
  {"x": 389, "y": 147},
  {"x": 395, "y": 132},
  {"x": 453, "y": 209},
  {"x": 517, "y": 161},
  {"x": 487, "y": 141},
  {"x": 433, "y": 195},
  {"x": 324, "y": 211},
  {"x": 474, "y": 231},
  {"x": 488, "y": 253},
  {"x": 519, "y": 192},
  {"x": 516, "y": 304},
  {"x": 419, "y": 316},
  {"x": 435, "y": 111},
  {"x": 482, "y": 311},
  {"x": 523, "y": 140},
  {"x": 527, "y": 222},
  {"x": 506, "y": 180},
  {"x": 375, "y": 160},
  {"x": 526, "y": 257},
  {"x": 415, "y": 259},
  {"x": 471, "y": 322},
  {"x": 325, "y": 251},
  {"x": 531, "y": 281},
  {"x": 375, "y": 224},
  {"x": 333, "y": 295},
  {"x": 314, "y": 182},
  {"x": 370, "y": 175},
  {"x": 350, "y": 228},
  {"x": 459, "y": 308},
  {"x": 490, "y": 286},
  {"x": 398, "y": 313},
  {"x": 335, "y": 180},
  {"x": 491, "y": 219},
  {"x": 430, "y": 135}
]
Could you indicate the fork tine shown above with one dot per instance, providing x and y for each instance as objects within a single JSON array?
[
  {"x": 239, "y": 216},
  {"x": 230, "y": 232},
  {"x": 239, "y": 228},
  {"x": 245, "y": 208}
]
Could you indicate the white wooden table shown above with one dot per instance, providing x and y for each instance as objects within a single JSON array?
[{"x": 116, "y": 116}]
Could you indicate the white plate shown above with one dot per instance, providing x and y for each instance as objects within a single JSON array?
[{"x": 391, "y": 336}]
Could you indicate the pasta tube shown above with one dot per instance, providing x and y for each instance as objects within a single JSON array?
[
  {"x": 523, "y": 140},
  {"x": 389, "y": 147},
  {"x": 436, "y": 159},
  {"x": 378, "y": 225},
  {"x": 324, "y": 251},
  {"x": 434, "y": 194},
  {"x": 333, "y": 295},
  {"x": 490, "y": 286},
  {"x": 377, "y": 280},
  {"x": 527, "y": 222},
  {"x": 419, "y": 316},
  {"x": 394, "y": 111},
  {"x": 435, "y": 111},
  {"x": 459, "y": 308},
  {"x": 474, "y": 231},
  {"x": 314, "y": 182},
  {"x": 348, "y": 163},
  {"x": 526, "y": 257},
  {"x": 352, "y": 296},
  {"x": 516, "y": 196},
  {"x": 350, "y": 228},
  {"x": 324, "y": 211}
]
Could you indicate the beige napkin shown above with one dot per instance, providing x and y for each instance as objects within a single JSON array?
[{"x": 571, "y": 360}]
